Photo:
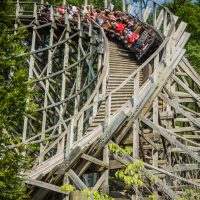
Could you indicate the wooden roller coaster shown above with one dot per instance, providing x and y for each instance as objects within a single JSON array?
[{"x": 91, "y": 92}]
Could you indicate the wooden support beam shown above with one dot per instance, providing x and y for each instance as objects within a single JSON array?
[
  {"x": 94, "y": 160},
  {"x": 77, "y": 181},
  {"x": 109, "y": 132},
  {"x": 44, "y": 185},
  {"x": 99, "y": 182},
  {"x": 181, "y": 110},
  {"x": 174, "y": 141}
]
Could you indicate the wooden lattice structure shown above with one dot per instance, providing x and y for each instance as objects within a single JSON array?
[{"x": 86, "y": 101}]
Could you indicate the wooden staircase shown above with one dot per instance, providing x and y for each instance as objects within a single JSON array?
[{"x": 122, "y": 64}]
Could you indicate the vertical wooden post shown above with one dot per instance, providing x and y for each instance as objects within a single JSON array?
[
  {"x": 106, "y": 150},
  {"x": 136, "y": 122},
  {"x": 78, "y": 195},
  {"x": 16, "y": 16},
  {"x": 65, "y": 63},
  {"x": 69, "y": 143},
  {"x": 64, "y": 3},
  {"x": 86, "y": 4},
  {"x": 141, "y": 10},
  {"x": 165, "y": 23},
  {"x": 108, "y": 110},
  {"x": 155, "y": 113},
  {"x": 79, "y": 67},
  {"x": 105, "y": 4},
  {"x": 78, "y": 81},
  {"x": 95, "y": 106},
  {"x": 106, "y": 65},
  {"x": 31, "y": 66},
  {"x": 154, "y": 14},
  {"x": 47, "y": 83},
  {"x": 106, "y": 160},
  {"x": 124, "y": 5}
]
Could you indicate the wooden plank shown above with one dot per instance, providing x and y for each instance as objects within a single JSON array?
[
  {"x": 49, "y": 47},
  {"x": 183, "y": 167},
  {"x": 71, "y": 158},
  {"x": 182, "y": 111},
  {"x": 110, "y": 131},
  {"x": 184, "y": 129},
  {"x": 106, "y": 177},
  {"x": 160, "y": 19},
  {"x": 77, "y": 181},
  {"x": 147, "y": 11},
  {"x": 115, "y": 165},
  {"x": 185, "y": 87},
  {"x": 46, "y": 166},
  {"x": 78, "y": 195},
  {"x": 94, "y": 160},
  {"x": 185, "y": 65},
  {"x": 172, "y": 140},
  {"x": 164, "y": 76},
  {"x": 44, "y": 185},
  {"x": 179, "y": 32},
  {"x": 183, "y": 40},
  {"x": 99, "y": 182},
  {"x": 180, "y": 150},
  {"x": 135, "y": 133}
]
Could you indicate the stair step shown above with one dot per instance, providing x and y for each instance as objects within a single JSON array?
[
  {"x": 127, "y": 88},
  {"x": 125, "y": 61},
  {"x": 116, "y": 84},
  {"x": 119, "y": 95},
  {"x": 115, "y": 81},
  {"x": 111, "y": 77},
  {"x": 121, "y": 70},
  {"x": 119, "y": 65}
]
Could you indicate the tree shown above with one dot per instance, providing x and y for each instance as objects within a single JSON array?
[
  {"x": 13, "y": 95},
  {"x": 189, "y": 12}
]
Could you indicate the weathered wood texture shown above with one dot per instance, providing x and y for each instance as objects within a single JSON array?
[{"x": 91, "y": 92}]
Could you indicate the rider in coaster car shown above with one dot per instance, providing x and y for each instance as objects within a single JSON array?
[
  {"x": 138, "y": 47},
  {"x": 119, "y": 27},
  {"x": 61, "y": 10},
  {"x": 101, "y": 18},
  {"x": 130, "y": 37}
]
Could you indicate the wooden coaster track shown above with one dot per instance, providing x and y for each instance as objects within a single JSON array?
[{"x": 91, "y": 92}]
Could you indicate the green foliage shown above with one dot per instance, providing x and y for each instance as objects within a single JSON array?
[
  {"x": 11, "y": 164},
  {"x": 13, "y": 95},
  {"x": 153, "y": 180},
  {"x": 190, "y": 194},
  {"x": 131, "y": 174},
  {"x": 120, "y": 151},
  {"x": 13, "y": 77},
  {"x": 95, "y": 195},
  {"x": 67, "y": 188},
  {"x": 152, "y": 197},
  {"x": 189, "y": 12}
]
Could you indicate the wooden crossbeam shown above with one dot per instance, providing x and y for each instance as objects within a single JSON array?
[
  {"x": 172, "y": 140},
  {"x": 44, "y": 185},
  {"x": 94, "y": 160},
  {"x": 78, "y": 182}
]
